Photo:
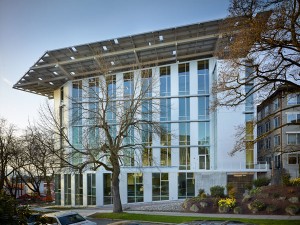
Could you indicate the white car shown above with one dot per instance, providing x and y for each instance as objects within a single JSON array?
[{"x": 64, "y": 218}]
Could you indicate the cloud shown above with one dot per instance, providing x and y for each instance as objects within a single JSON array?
[{"x": 8, "y": 82}]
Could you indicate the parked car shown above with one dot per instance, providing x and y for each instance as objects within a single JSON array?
[{"x": 63, "y": 218}]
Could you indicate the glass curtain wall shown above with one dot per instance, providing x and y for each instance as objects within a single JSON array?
[
  {"x": 67, "y": 189},
  {"x": 91, "y": 189},
  {"x": 107, "y": 189},
  {"x": 186, "y": 185},
  {"x": 78, "y": 189},
  {"x": 160, "y": 186},
  {"x": 57, "y": 188},
  {"x": 135, "y": 187}
]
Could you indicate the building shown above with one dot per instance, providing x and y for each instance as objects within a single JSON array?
[
  {"x": 278, "y": 130},
  {"x": 181, "y": 60}
]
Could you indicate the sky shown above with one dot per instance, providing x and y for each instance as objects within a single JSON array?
[{"x": 28, "y": 28}]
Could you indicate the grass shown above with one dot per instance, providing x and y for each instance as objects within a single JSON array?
[{"x": 182, "y": 219}]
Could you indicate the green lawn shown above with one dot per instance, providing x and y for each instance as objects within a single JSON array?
[{"x": 181, "y": 219}]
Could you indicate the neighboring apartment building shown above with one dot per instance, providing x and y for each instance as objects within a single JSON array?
[
  {"x": 182, "y": 61},
  {"x": 278, "y": 130}
]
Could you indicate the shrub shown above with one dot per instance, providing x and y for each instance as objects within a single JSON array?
[
  {"x": 255, "y": 191},
  {"x": 295, "y": 182},
  {"x": 227, "y": 202},
  {"x": 271, "y": 208},
  {"x": 217, "y": 191},
  {"x": 256, "y": 206},
  {"x": 285, "y": 177},
  {"x": 203, "y": 196},
  {"x": 237, "y": 210},
  {"x": 262, "y": 181},
  {"x": 292, "y": 209},
  {"x": 200, "y": 192},
  {"x": 231, "y": 190}
]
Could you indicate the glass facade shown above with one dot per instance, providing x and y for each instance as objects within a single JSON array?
[
  {"x": 186, "y": 185},
  {"x": 91, "y": 189},
  {"x": 67, "y": 188},
  {"x": 135, "y": 187},
  {"x": 184, "y": 78},
  {"x": 184, "y": 108},
  {"x": 57, "y": 188},
  {"x": 165, "y": 81},
  {"x": 78, "y": 189},
  {"x": 107, "y": 189},
  {"x": 160, "y": 186},
  {"x": 203, "y": 77}
]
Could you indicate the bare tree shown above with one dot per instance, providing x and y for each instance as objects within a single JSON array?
[
  {"x": 8, "y": 148},
  {"x": 110, "y": 118},
  {"x": 37, "y": 161},
  {"x": 263, "y": 36}
]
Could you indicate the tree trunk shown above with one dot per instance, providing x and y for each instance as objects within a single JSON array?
[
  {"x": 117, "y": 206},
  {"x": 48, "y": 195}
]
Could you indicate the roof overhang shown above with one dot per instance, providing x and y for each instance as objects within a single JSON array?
[{"x": 177, "y": 44}]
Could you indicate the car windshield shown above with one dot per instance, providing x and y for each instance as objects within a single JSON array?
[{"x": 70, "y": 219}]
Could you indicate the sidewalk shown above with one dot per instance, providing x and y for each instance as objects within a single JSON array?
[{"x": 90, "y": 211}]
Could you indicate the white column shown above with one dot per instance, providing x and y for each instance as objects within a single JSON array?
[
  {"x": 173, "y": 186},
  {"x": 123, "y": 187},
  {"x": 99, "y": 188},
  {"x": 147, "y": 182},
  {"x": 72, "y": 189},
  {"x": 62, "y": 189},
  {"x": 84, "y": 187},
  {"x": 193, "y": 78}
]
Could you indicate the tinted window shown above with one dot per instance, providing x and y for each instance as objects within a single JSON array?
[{"x": 70, "y": 219}]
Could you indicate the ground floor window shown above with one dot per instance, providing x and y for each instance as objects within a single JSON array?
[
  {"x": 57, "y": 188},
  {"x": 67, "y": 189},
  {"x": 160, "y": 186},
  {"x": 293, "y": 159},
  {"x": 107, "y": 189},
  {"x": 78, "y": 189},
  {"x": 135, "y": 188},
  {"x": 91, "y": 189},
  {"x": 186, "y": 185}
]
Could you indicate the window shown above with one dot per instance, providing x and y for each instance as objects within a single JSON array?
[
  {"x": 147, "y": 110},
  {"x": 275, "y": 104},
  {"x": 76, "y": 114},
  {"x": 293, "y": 158},
  {"x": 184, "y": 108},
  {"x": 293, "y": 138},
  {"x": 147, "y": 82},
  {"x": 147, "y": 157},
  {"x": 77, "y": 137},
  {"x": 276, "y": 121},
  {"x": 165, "y": 136},
  {"x": 203, "y": 108},
  {"x": 203, "y": 77},
  {"x": 293, "y": 117},
  {"x": 165, "y": 156},
  {"x": 165, "y": 109},
  {"x": 77, "y": 91},
  {"x": 184, "y": 158},
  {"x": 184, "y": 133},
  {"x": 293, "y": 99},
  {"x": 107, "y": 190},
  {"x": 267, "y": 110},
  {"x": 186, "y": 185},
  {"x": 165, "y": 81},
  {"x": 62, "y": 94},
  {"x": 203, "y": 133},
  {"x": 93, "y": 89},
  {"x": 146, "y": 134},
  {"x": 91, "y": 189},
  {"x": 160, "y": 186},
  {"x": 128, "y": 84},
  {"x": 268, "y": 143},
  {"x": 267, "y": 126},
  {"x": 276, "y": 140},
  {"x": 135, "y": 188},
  {"x": 67, "y": 189},
  {"x": 57, "y": 188},
  {"x": 260, "y": 130},
  {"x": 78, "y": 189},
  {"x": 249, "y": 99},
  {"x": 128, "y": 158},
  {"x": 184, "y": 79},
  {"x": 111, "y": 86},
  {"x": 204, "y": 162}
]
